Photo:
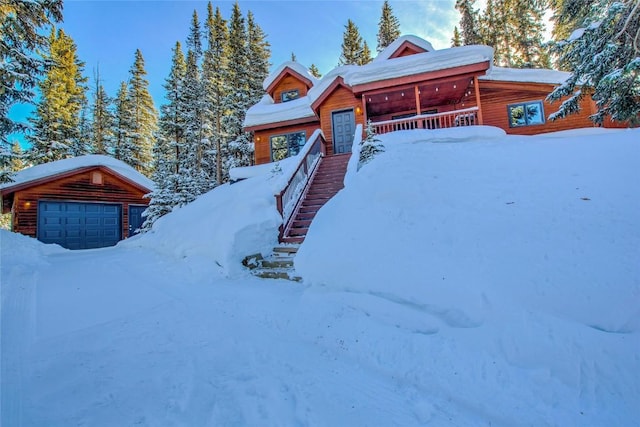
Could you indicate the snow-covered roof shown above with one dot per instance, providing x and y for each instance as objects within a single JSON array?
[
  {"x": 420, "y": 63},
  {"x": 525, "y": 75},
  {"x": 391, "y": 49},
  {"x": 66, "y": 165},
  {"x": 292, "y": 65},
  {"x": 266, "y": 111}
]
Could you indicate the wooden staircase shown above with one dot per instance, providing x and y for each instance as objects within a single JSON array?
[
  {"x": 326, "y": 181},
  {"x": 277, "y": 265}
]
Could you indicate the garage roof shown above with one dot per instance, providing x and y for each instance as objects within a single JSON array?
[{"x": 52, "y": 170}]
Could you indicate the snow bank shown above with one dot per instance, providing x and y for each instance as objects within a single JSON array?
[
  {"x": 222, "y": 226},
  {"x": 61, "y": 166},
  {"x": 18, "y": 249},
  {"x": 517, "y": 255}
]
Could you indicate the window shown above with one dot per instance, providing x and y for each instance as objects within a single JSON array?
[
  {"x": 283, "y": 146},
  {"x": 290, "y": 95},
  {"x": 526, "y": 114}
]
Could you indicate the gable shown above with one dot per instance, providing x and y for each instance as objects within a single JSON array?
[
  {"x": 291, "y": 74},
  {"x": 288, "y": 83},
  {"x": 407, "y": 48}
]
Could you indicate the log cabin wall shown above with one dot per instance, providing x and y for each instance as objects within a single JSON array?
[
  {"x": 341, "y": 99},
  {"x": 288, "y": 83},
  {"x": 262, "y": 138},
  {"x": 75, "y": 188},
  {"x": 496, "y": 96}
]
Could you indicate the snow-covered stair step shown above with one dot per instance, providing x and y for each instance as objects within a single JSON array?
[{"x": 277, "y": 265}]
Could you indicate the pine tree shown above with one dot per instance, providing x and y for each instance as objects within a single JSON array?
[
  {"x": 456, "y": 40},
  {"x": 365, "y": 56},
  {"x": 144, "y": 116},
  {"x": 259, "y": 54},
  {"x": 239, "y": 99},
  {"x": 123, "y": 127},
  {"x": 172, "y": 114},
  {"x": 352, "y": 45},
  {"x": 163, "y": 197},
  {"x": 102, "y": 120},
  {"x": 81, "y": 144},
  {"x": 57, "y": 116},
  {"x": 21, "y": 23},
  {"x": 604, "y": 59},
  {"x": 370, "y": 146},
  {"x": 388, "y": 27},
  {"x": 215, "y": 73},
  {"x": 468, "y": 21},
  {"x": 314, "y": 71},
  {"x": 569, "y": 15},
  {"x": 194, "y": 39}
]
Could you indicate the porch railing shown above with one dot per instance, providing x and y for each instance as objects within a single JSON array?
[
  {"x": 465, "y": 117},
  {"x": 288, "y": 199}
]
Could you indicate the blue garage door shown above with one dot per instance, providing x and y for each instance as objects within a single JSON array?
[{"x": 79, "y": 225}]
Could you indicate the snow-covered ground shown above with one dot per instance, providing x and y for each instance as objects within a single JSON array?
[{"x": 481, "y": 279}]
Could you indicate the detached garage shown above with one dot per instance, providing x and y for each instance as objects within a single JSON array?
[{"x": 80, "y": 203}]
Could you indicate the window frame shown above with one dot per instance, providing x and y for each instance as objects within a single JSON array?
[
  {"x": 289, "y": 95},
  {"x": 524, "y": 105},
  {"x": 288, "y": 141}
]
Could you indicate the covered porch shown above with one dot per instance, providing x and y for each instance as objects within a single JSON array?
[{"x": 429, "y": 104}]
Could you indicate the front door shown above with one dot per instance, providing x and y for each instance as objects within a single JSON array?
[
  {"x": 135, "y": 219},
  {"x": 343, "y": 125}
]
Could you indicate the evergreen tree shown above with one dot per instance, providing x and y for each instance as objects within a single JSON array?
[
  {"x": 388, "y": 27},
  {"x": 569, "y": 15},
  {"x": 123, "y": 127},
  {"x": 215, "y": 73},
  {"x": 370, "y": 146},
  {"x": 352, "y": 45},
  {"x": 468, "y": 21},
  {"x": 81, "y": 144},
  {"x": 456, "y": 40},
  {"x": 102, "y": 121},
  {"x": 239, "y": 99},
  {"x": 365, "y": 56},
  {"x": 144, "y": 116},
  {"x": 172, "y": 114},
  {"x": 163, "y": 197},
  {"x": 604, "y": 59},
  {"x": 194, "y": 39},
  {"x": 57, "y": 117},
  {"x": 18, "y": 158},
  {"x": 20, "y": 45},
  {"x": 259, "y": 54},
  {"x": 314, "y": 71}
]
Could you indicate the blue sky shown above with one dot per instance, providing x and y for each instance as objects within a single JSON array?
[{"x": 107, "y": 33}]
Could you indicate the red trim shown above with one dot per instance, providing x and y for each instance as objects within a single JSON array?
[
  {"x": 339, "y": 81},
  {"x": 413, "y": 79},
  {"x": 18, "y": 187},
  {"x": 407, "y": 45},
  {"x": 282, "y": 124},
  {"x": 293, "y": 73}
]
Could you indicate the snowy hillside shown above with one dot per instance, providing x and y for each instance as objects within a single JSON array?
[{"x": 463, "y": 277}]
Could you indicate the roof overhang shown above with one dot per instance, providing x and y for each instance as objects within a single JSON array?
[
  {"x": 272, "y": 125},
  {"x": 478, "y": 68},
  {"x": 10, "y": 189}
]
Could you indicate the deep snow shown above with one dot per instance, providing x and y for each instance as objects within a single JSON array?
[{"x": 462, "y": 277}]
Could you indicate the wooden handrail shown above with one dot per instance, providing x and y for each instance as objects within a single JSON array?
[
  {"x": 464, "y": 117},
  {"x": 288, "y": 199}
]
